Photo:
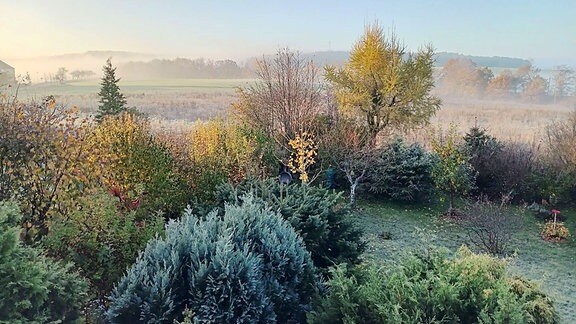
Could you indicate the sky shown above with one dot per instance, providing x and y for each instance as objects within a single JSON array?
[{"x": 543, "y": 31}]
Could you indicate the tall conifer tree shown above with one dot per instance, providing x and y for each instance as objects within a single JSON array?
[{"x": 112, "y": 101}]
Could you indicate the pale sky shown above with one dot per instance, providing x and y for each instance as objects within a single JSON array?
[{"x": 544, "y": 31}]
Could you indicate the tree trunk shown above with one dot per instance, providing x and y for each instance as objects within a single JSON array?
[
  {"x": 353, "y": 185},
  {"x": 353, "y": 193}
]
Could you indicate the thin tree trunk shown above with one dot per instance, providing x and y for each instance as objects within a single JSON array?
[{"x": 353, "y": 193}]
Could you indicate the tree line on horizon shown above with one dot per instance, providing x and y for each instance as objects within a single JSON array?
[{"x": 462, "y": 77}]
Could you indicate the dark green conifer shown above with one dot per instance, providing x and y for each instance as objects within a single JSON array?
[{"x": 112, "y": 101}]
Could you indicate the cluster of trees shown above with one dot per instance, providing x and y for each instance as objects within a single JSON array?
[
  {"x": 464, "y": 78},
  {"x": 62, "y": 73},
  {"x": 184, "y": 68},
  {"x": 99, "y": 192}
]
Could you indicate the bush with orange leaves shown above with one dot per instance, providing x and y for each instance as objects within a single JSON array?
[{"x": 43, "y": 152}]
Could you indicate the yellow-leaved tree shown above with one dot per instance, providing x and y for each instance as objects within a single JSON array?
[{"x": 383, "y": 86}]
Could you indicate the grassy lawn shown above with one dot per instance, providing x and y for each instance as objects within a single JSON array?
[{"x": 392, "y": 230}]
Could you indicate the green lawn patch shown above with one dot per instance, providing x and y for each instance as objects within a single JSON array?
[{"x": 391, "y": 230}]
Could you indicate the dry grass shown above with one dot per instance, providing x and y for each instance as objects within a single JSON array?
[
  {"x": 505, "y": 120},
  {"x": 188, "y": 100}
]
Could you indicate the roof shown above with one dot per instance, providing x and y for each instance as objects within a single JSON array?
[{"x": 4, "y": 66}]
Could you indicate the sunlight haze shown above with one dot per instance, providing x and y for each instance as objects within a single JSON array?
[{"x": 536, "y": 30}]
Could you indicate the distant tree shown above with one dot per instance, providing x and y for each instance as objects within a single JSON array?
[
  {"x": 81, "y": 74},
  {"x": 535, "y": 89},
  {"x": 524, "y": 75},
  {"x": 285, "y": 99},
  {"x": 112, "y": 101},
  {"x": 61, "y": 74},
  {"x": 384, "y": 86},
  {"x": 462, "y": 77},
  {"x": 502, "y": 85},
  {"x": 563, "y": 83}
]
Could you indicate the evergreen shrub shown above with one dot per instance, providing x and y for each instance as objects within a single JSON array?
[
  {"x": 34, "y": 288},
  {"x": 245, "y": 266},
  {"x": 401, "y": 172},
  {"x": 430, "y": 287},
  {"x": 318, "y": 215},
  {"x": 101, "y": 239}
]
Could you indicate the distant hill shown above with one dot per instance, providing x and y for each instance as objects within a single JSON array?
[
  {"x": 143, "y": 65},
  {"x": 104, "y": 55},
  {"x": 338, "y": 58},
  {"x": 485, "y": 61}
]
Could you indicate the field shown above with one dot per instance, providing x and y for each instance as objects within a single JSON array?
[
  {"x": 391, "y": 230},
  {"x": 169, "y": 100},
  {"x": 178, "y": 101}
]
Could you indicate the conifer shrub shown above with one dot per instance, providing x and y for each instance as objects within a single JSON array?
[
  {"x": 431, "y": 287},
  {"x": 401, "y": 172},
  {"x": 485, "y": 151},
  {"x": 34, "y": 288},
  {"x": 318, "y": 215},
  {"x": 244, "y": 266},
  {"x": 101, "y": 239}
]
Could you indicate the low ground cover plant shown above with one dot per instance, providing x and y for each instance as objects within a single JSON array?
[{"x": 432, "y": 287}]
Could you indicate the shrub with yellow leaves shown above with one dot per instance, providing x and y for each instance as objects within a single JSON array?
[
  {"x": 304, "y": 151},
  {"x": 453, "y": 174},
  {"x": 221, "y": 151}
]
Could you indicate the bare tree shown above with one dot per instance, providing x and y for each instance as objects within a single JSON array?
[
  {"x": 285, "y": 99},
  {"x": 61, "y": 74},
  {"x": 348, "y": 147}
]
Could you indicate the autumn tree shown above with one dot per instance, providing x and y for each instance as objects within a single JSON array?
[
  {"x": 563, "y": 83},
  {"x": 112, "y": 101},
  {"x": 385, "y": 86},
  {"x": 285, "y": 99},
  {"x": 462, "y": 77},
  {"x": 502, "y": 85},
  {"x": 535, "y": 89}
]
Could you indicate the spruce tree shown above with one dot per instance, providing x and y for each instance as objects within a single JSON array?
[{"x": 112, "y": 101}]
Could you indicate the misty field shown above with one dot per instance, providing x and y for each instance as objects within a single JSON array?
[
  {"x": 178, "y": 101},
  {"x": 166, "y": 99}
]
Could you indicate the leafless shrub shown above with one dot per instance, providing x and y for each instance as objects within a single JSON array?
[
  {"x": 560, "y": 139},
  {"x": 286, "y": 97},
  {"x": 491, "y": 225}
]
